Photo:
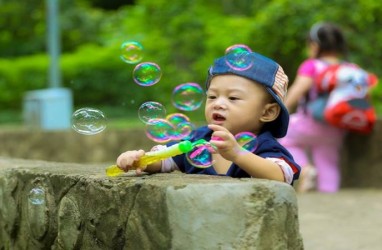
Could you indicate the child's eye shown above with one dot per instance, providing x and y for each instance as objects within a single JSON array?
[
  {"x": 211, "y": 97},
  {"x": 233, "y": 98}
]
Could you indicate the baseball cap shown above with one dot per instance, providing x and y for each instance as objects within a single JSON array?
[{"x": 262, "y": 70}]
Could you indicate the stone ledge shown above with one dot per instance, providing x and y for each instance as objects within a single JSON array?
[
  {"x": 360, "y": 152},
  {"x": 50, "y": 205}
]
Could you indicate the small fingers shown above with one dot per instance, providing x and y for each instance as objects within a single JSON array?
[
  {"x": 220, "y": 137},
  {"x": 126, "y": 160},
  {"x": 139, "y": 154},
  {"x": 215, "y": 127},
  {"x": 216, "y": 138}
]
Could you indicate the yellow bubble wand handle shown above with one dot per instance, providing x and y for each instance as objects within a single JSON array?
[{"x": 154, "y": 156}]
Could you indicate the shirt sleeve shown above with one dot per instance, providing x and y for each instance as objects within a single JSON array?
[
  {"x": 285, "y": 167},
  {"x": 307, "y": 68},
  {"x": 168, "y": 165}
]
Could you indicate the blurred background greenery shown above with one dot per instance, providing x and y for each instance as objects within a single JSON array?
[{"x": 181, "y": 36}]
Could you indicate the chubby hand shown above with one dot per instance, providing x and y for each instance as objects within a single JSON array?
[
  {"x": 225, "y": 142},
  {"x": 126, "y": 160}
]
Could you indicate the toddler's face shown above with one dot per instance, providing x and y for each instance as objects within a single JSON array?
[{"x": 236, "y": 103}]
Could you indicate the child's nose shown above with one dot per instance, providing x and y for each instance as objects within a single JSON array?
[{"x": 220, "y": 103}]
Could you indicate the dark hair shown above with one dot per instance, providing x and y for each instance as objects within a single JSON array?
[{"x": 329, "y": 38}]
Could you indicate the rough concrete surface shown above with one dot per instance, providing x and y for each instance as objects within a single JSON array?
[
  {"x": 51, "y": 205},
  {"x": 348, "y": 220}
]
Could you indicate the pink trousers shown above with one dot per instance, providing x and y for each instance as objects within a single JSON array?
[{"x": 318, "y": 144}]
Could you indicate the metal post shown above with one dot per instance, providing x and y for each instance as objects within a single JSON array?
[
  {"x": 53, "y": 41},
  {"x": 51, "y": 108}
]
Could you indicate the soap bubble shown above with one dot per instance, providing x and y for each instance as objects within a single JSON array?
[
  {"x": 175, "y": 126},
  {"x": 37, "y": 196},
  {"x": 201, "y": 155},
  {"x": 182, "y": 131},
  {"x": 159, "y": 130},
  {"x": 188, "y": 96},
  {"x": 238, "y": 49},
  {"x": 147, "y": 74},
  {"x": 248, "y": 140},
  {"x": 88, "y": 121},
  {"x": 131, "y": 52},
  {"x": 237, "y": 57},
  {"x": 182, "y": 126},
  {"x": 151, "y": 110},
  {"x": 177, "y": 118}
]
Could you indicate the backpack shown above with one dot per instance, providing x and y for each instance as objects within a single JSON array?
[{"x": 345, "y": 88}]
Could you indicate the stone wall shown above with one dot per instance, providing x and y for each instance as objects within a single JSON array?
[
  {"x": 361, "y": 161},
  {"x": 361, "y": 155},
  {"x": 69, "y": 146},
  {"x": 47, "y": 205}
]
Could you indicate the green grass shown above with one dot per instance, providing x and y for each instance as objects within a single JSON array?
[
  {"x": 120, "y": 123},
  {"x": 117, "y": 118},
  {"x": 10, "y": 117}
]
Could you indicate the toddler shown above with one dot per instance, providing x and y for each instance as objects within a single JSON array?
[{"x": 238, "y": 100}]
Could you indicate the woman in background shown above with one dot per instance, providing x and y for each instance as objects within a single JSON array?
[{"x": 315, "y": 145}]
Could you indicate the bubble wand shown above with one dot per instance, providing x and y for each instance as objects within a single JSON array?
[{"x": 154, "y": 156}]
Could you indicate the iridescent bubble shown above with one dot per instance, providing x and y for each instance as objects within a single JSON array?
[
  {"x": 131, "y": 52},
  {"x": 88, "y": 121},
  {"x": 147, "y": 74},
  {"x": 238, "y": 57},
  {"x": 238, "y": 48},
  {"x": 151, "y": 110},
  {"x": 183, "y": 131},
  {"x": 201, "y": 155},
  {"x": 188, "y": 96},
  {"x": 182, "y": 126},
  {"x": 176, "y": 118},
  {"x": 159, "y": 130},
  {"x": 37, "y": 196},
  {"x": 248, "y": 140}
]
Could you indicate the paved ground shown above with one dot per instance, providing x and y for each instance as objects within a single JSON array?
[{"x": 348, "y": 220}]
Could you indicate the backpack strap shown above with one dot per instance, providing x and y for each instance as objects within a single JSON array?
[{"x": 326, "y": 81}]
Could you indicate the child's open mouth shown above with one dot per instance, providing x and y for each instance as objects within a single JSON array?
[{"x": 218, "y": 117}]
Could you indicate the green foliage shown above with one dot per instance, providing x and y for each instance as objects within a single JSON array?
[
  {"x": 79, "y": 24},
  {"x": 183, "y": 37},
  {"x": 23, "y": 26},
  {"x": 22, "y": 29},
  {"x": 20, "y": 75}
]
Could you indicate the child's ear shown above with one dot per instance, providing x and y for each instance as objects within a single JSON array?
[{"x": 270, "y": 112}]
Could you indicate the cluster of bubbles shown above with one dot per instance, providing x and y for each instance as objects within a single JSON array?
[
  {"x": 174, "y": 127},
  {"x": 185, "y": 97},
  {"x": 161, "y": 127}
]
